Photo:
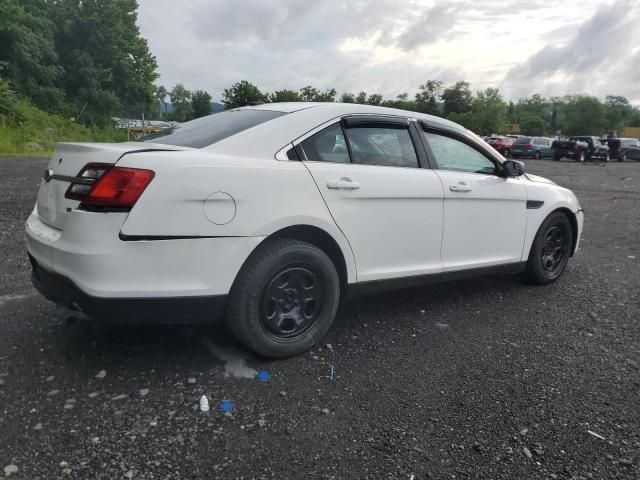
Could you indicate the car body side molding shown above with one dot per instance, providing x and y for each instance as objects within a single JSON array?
[{"x": 365, "y": 288}]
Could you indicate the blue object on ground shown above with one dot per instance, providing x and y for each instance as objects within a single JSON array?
[
  {"x": 263, "y": 376},
  {"x": 226, "y": 406}
]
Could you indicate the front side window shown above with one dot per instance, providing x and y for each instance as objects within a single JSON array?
[
  {"x": 390, "y": 147},
  {"x": 452, "y": 154}
]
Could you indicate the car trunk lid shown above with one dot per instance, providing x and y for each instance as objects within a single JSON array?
[{"x": 67, "y": 161}]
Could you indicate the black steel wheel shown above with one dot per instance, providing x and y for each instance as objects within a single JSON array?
[
  {"x": 551, "y": 249},
  {"x": 292, "y": 301},
  {"x": 284, "y": 298}
]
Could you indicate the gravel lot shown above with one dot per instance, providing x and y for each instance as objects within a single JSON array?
[{"x": 482, "y": 379}]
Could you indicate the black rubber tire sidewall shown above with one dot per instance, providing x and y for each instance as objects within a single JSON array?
[
  {"x": 244, "y": 308},
  {"x": 534, "y": 271}
]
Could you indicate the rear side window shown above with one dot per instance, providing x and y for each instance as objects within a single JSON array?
[
  {"x": 383, "y": 146},
  {"x": 327, "y": 145},
  {"x": 208, "y": 130},
  {"x": 390, "y": 147},
  {"x": 522, "y": 140}
]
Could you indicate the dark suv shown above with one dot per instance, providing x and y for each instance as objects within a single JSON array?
[{"x": 623, "y": 148}]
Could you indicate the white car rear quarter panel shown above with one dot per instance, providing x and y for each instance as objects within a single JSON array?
[{"x": 269, "y": 195}]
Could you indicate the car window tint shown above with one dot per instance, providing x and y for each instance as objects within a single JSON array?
[
  {"x": 522, "y": 140},
  {"x": 390, "y": 147},
  {"x": 327, "y": 145},
  {"x": 208, "y": 130},
  {"x": 452, "y": 154}
]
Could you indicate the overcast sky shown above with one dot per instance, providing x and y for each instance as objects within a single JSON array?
[{"x": 392, "y": 46}]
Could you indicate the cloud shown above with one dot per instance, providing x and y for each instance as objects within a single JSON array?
[
  {"x": 600, "y": 58},
  {"x": 391, "y": 47}
]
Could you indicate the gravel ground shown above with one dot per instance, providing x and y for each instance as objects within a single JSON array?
[{"x": 482, "y": 379}]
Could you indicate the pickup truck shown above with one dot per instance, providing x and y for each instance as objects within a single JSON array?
[{"x": 580, "y": 149}]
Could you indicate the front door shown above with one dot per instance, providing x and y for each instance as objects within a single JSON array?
[
  {"x": 484, "y": 212},
  {"x": 388, "y": 207}
]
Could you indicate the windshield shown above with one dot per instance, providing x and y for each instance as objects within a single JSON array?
[{"x": 208, "y": 130}]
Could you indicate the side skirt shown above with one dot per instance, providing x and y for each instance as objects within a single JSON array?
[{"x": 364, "y": 288}]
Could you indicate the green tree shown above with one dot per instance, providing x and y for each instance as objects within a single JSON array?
[
  {"x": 308, "y": 93},
  {"x": 361, "y": 97},
  {"x": 284, "y": 96},
  {"x": 428, "y": 97},
  {"x": 457, "y": 98},
  {"x": 161, "y": 97},
  {"x": 374, "y": 99},
  {"x": 347, "y": 98},
  {"x": 108, "y": 66},
  {"x": 181, "y": 101},
  {"x": 583, "y": 116},
  {"x": 328, "y": 95},
  {"x": 488, "y": 108},
  {"x": 28, "y": 56},
  {"x": 533, "y": 125},
  {"x": 617, "y": 112},
  {"x": 200, "y": 103},
  {"x": 242, "y": 93}
]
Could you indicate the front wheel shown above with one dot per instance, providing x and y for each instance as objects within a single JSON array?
[
  {"x": 551, "y": 250},
  {"x": 284, "y": 298}
]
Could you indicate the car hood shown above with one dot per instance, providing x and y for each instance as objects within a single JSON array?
[{"x": 538, "y": 179}]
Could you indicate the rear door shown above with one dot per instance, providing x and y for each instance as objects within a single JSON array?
[
  {"x": 484, "y": 212},
  {"x": 390, "y": 209}
]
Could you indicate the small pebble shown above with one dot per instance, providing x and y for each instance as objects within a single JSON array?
[
  {"x": 282, "y": 393},
  {"x": 93, "y": 394},
  {"x": 10, "y": 470},
  {"x": 144, "y": 392},
  {"x": 191, "y": 380},
  {"x": 53, "y": 392},
  {"x": 37, "y": 426},
  {"x": 325, "y": 411},
  {"x": 101, "y": 374},
  {"x": 50, "y": 379},
  {"x": 527, "y": 452}
]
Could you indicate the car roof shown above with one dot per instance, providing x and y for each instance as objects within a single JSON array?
[{"x": 301, "y": 117}]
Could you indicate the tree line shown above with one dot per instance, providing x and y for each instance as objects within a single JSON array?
[{"x": 80, "y": 59}]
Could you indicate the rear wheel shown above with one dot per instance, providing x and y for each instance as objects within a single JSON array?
[
  {"x": 551, "y": 250},
  {"x": 284, "y": 298}
]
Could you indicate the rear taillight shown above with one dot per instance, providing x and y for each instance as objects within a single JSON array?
[
  {"x": 576, "y": 147},
  {"x": 528, "y": 145},
  {"x": 103, "y": 185},
  {"x": 119, "y": 187},
  {"x": 90, "y": 173}
]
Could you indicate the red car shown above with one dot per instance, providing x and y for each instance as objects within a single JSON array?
[{"x": 501, "y": 144}]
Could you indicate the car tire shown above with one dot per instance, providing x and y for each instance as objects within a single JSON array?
[
  {"x": 284, "y": 298},
  {"x": 537, "y": 156},
  {"x": 551, "y": 250},
  {"x": 556, "y": 157}
]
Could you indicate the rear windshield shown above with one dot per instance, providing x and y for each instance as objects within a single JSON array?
[
  {"x": 522, "y": 140},
  {"x": 208, "y": 130}
]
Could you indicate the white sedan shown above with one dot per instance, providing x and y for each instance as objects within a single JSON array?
[{"x": 272, "y": 214}]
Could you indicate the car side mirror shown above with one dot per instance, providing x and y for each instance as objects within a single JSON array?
[{"x": 513, "y": 168}]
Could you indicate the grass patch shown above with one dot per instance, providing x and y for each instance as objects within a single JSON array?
[{"x": 27, "y": 130}]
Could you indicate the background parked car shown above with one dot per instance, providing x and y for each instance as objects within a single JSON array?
[
  {"x": 535, "y": 147},
  {"x": 580, "y": 149},
  {"x": 501, "y": 144},
  {"x": 623, "y": 148}
]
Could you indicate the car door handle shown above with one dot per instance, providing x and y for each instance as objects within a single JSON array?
[
  {"x": 461, "y": 187},
  {"x": 344, "y": 183}
]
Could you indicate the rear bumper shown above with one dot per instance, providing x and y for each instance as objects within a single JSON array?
[
  {"x": 63, "y": 291},
  {"x": 90, "y": 254}
]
